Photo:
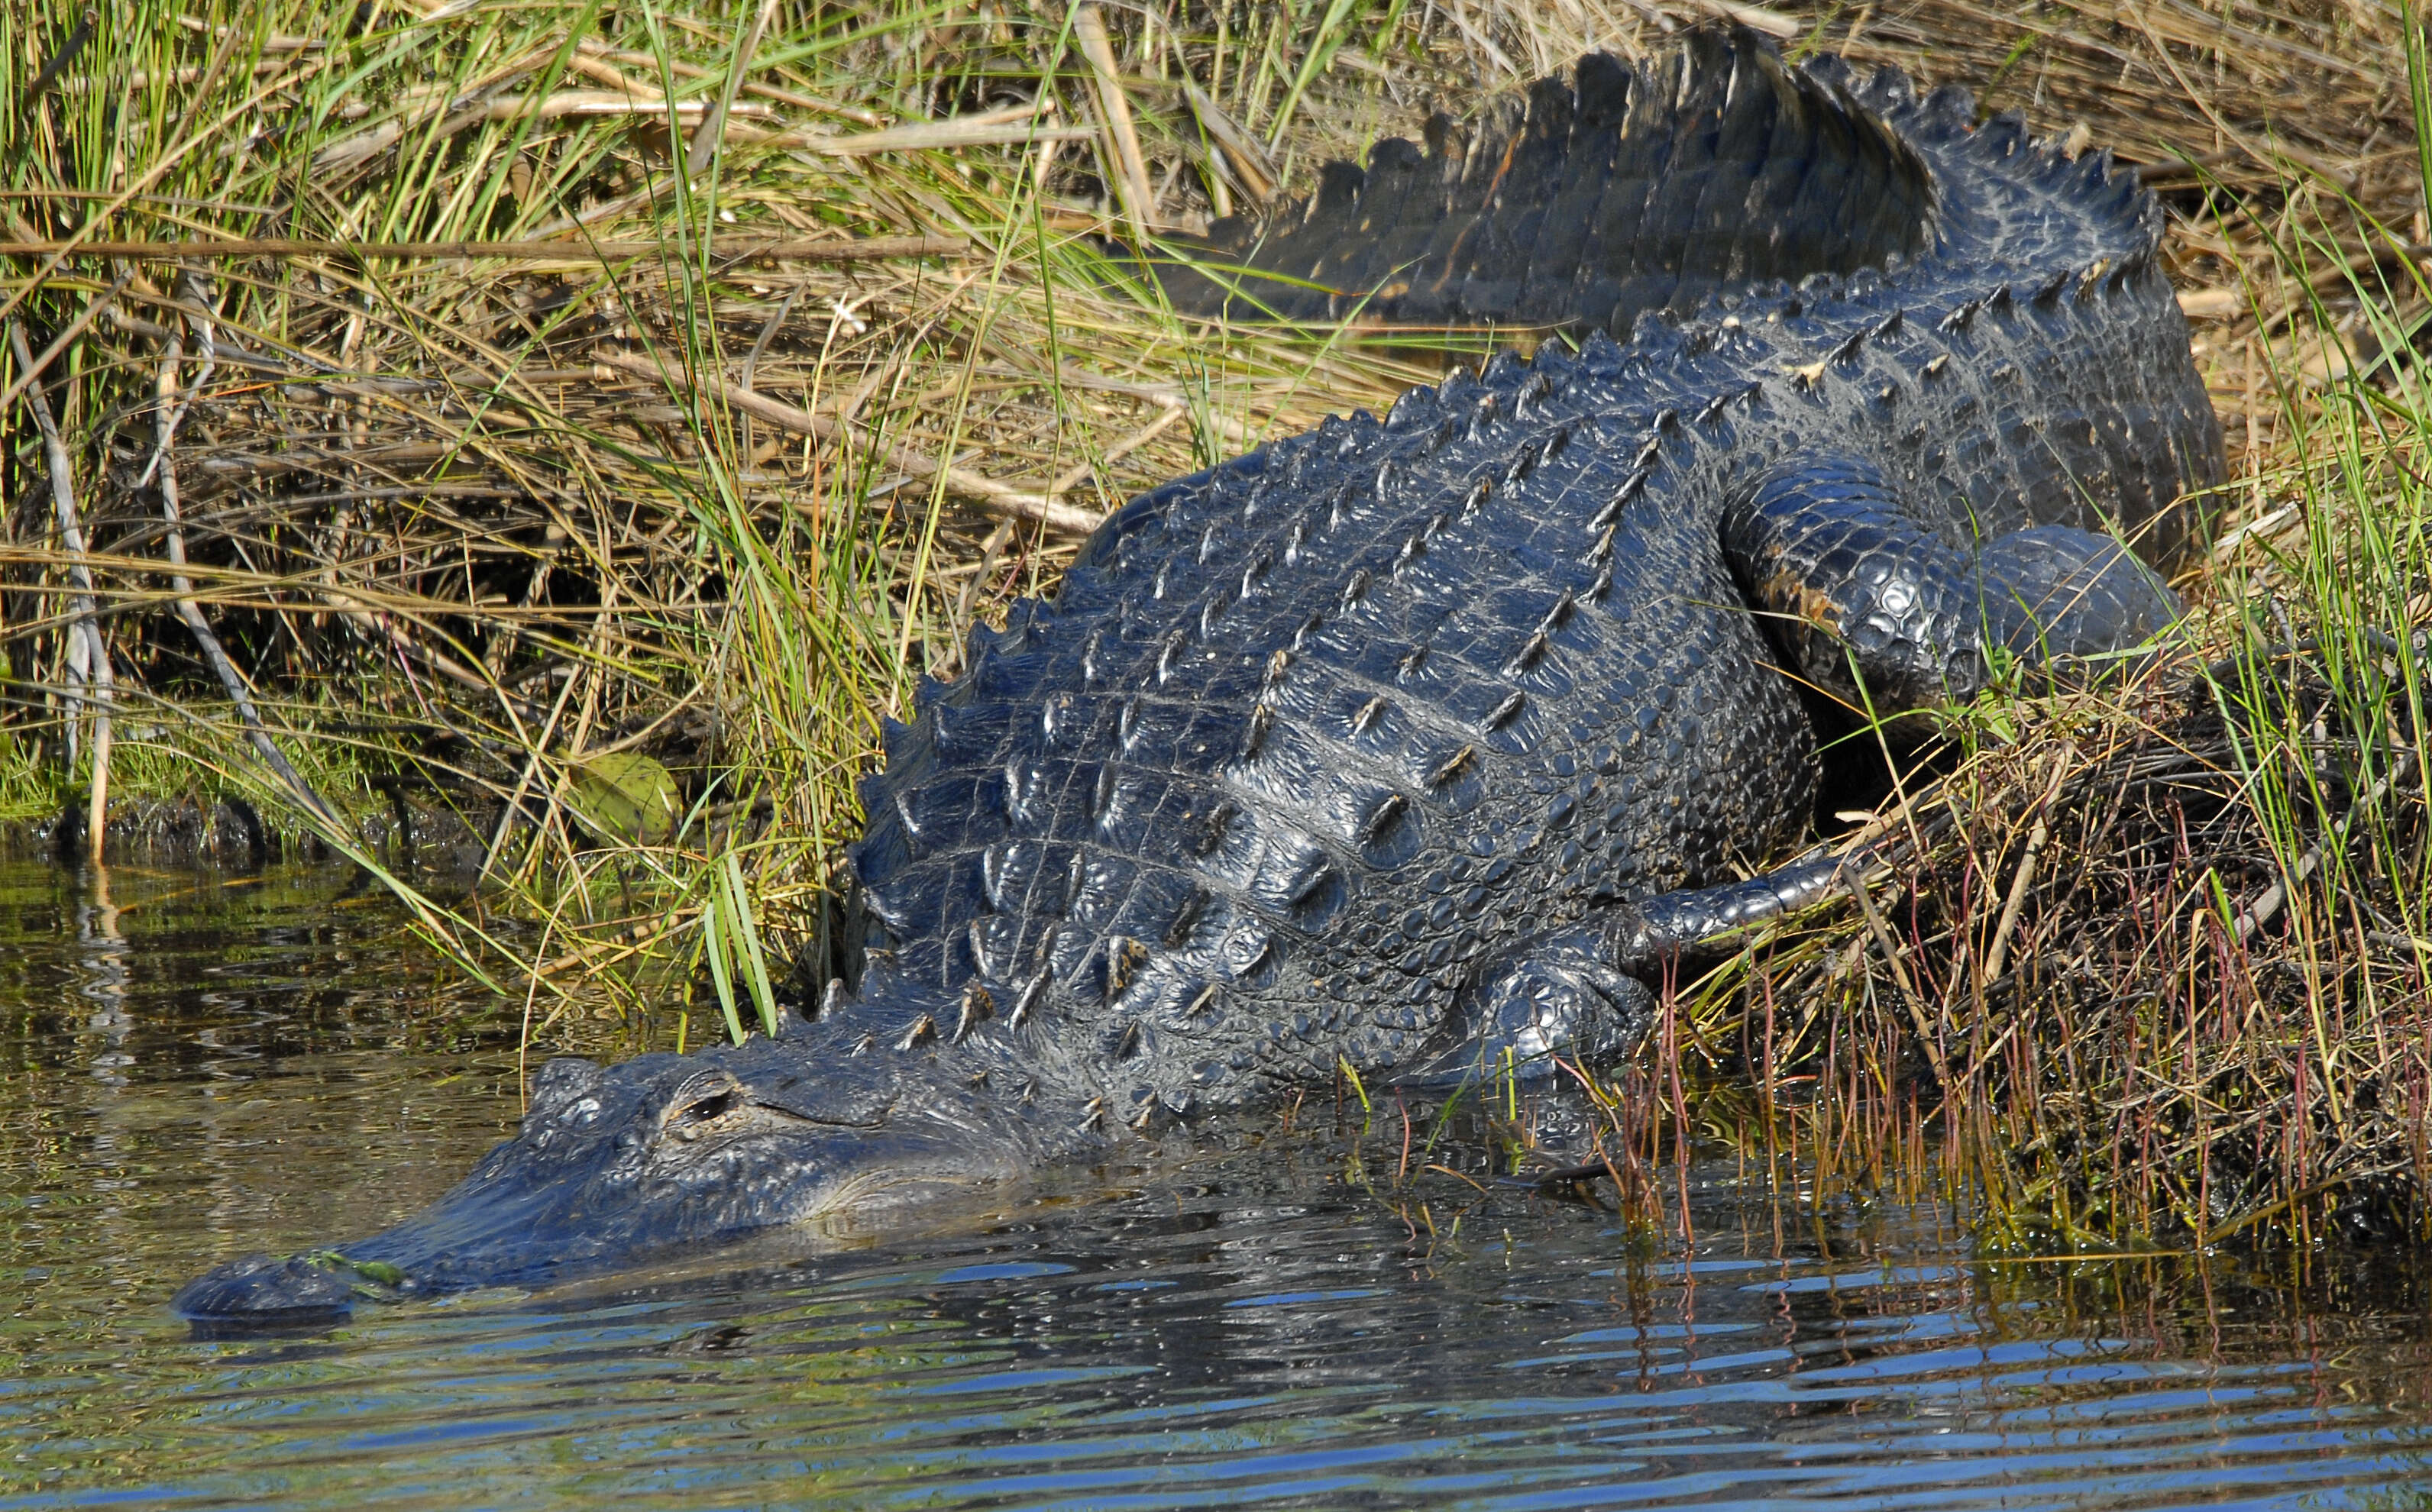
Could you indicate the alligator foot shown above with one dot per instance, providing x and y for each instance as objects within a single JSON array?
[{"x": 1555, "y": 995}]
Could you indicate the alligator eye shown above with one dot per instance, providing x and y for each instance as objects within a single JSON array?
[
  {"x": 692, "y": 1118},
  {"x": 715, "y": 1105}
]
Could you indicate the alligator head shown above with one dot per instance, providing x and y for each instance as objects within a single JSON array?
[{"x": 613, "y": 1166}]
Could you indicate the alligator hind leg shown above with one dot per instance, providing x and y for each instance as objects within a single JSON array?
[{"x": 1850, "y": 579}]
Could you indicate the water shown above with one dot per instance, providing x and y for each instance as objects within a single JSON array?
[{"x": 204, "y": 1070}]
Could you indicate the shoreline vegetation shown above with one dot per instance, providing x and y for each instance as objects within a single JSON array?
[{"x": 527, "y": 449}]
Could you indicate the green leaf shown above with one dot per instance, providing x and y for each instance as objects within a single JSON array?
[
  {"x": 746, "y": 939},
  {"x": 720, "y": 976},
  {"x": 624, "y": 796}
]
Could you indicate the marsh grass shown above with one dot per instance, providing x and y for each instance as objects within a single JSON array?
[{"x": 622, "y": 545}]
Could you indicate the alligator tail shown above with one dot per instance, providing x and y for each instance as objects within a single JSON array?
[{"x": 1583, "y": 203}]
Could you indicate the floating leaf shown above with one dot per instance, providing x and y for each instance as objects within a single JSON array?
[{"x": 624, "y": 796}]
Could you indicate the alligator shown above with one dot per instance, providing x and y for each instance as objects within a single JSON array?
[{"x": 1424, "y": 742}]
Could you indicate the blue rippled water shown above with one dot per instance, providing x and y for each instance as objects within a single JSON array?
[{"x": 1225, "y": 1322}]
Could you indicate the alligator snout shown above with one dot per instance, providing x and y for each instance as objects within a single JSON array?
[
  {"x": 267, "y": 1292},
  {"x": 613, "y": 1168}
]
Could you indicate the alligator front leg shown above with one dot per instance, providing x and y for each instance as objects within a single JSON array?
[
  {"x": 1850, "y": 582},
  {"x": 1582, "y": 992}
]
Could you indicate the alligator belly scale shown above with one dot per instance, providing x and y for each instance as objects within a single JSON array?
[{"x": 1417, "y": 739}]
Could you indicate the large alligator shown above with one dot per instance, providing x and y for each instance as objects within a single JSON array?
[{"x": 1412, "y": 741}]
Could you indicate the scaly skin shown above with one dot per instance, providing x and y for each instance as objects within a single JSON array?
[{"x": 1409, "y": 741}]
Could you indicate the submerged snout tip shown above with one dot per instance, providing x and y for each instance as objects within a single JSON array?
[{"x": 264, "y": 1291}]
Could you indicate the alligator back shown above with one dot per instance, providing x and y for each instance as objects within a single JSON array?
[{"x": 1306, "y": 739}]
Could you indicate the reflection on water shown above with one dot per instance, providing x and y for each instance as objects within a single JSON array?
[{"x": 191, "y": 1070}]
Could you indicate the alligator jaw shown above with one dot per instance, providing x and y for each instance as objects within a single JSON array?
[{"x": 610, "y": 1168}]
